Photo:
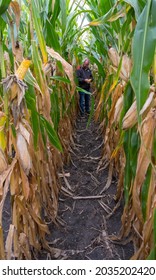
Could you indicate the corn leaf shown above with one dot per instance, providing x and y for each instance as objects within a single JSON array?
[
  {"x": 31, "y": 104},
  {"x": 83, "y": 90},
  {"x": 39, "y": 31},
  {"x": 145, "y": 38},
  {"x": 91, "y": 112},
  {"x": 55, "y": 110},
  {"x": 154, "y": 233},
  {"x": 51, "y": 36},
  {"x": 61, "y": 79},
  {"x": 144, "y": 192},
  {"x": 135, "y": 5},
  {"x": 52, "y": 135},
  {"x": 63, "y": 14},
  {"x": 4, "y": 4}
]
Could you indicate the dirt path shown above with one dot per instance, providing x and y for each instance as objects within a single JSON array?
[{"x": 85, "y": 230}]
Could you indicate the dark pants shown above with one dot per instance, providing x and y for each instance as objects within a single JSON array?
[{"x": 84, "y": 102}]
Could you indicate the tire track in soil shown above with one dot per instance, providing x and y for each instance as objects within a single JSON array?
[{"x": 84, "y": 229}]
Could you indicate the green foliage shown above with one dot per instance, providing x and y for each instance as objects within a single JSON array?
[
  {"x": 4, "y": 6},
  {"x": 145, "y": 37}
]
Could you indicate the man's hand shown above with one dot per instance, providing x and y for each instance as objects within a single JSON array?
[{"x": 88, "y": 81}]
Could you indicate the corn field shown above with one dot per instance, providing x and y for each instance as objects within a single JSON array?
[{"x": 41, "y": 44}]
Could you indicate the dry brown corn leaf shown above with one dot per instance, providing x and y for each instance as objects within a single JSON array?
[
  {"x": 25, "y": 184},
  {"x": 43, "y": 227},
  {"x": 5, "y": 179},
  {"x": 24, "y": 246},
  {"x": 148, "y": 226},
  {"x": 67, "y": 67},
  {"x": 3, "y": 163},
  {"x": 151, "y": 193},
  {"x": 144, "y": 159},
  {"x": 9, "y": 243},
  {"x": 32, "y": 228},
  {"x": 17, "y": 11},
  {"x": 15, "y": 180},
  {"x": 2, "y": 249}
]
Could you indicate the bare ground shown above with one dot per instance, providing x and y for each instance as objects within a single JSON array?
[{"x": 85, "y": 228}]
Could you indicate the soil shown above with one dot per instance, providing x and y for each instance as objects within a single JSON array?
[{"x": 84, "y": 227}]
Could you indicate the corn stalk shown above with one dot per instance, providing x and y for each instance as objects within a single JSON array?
[{"x": 126, "y": 108}]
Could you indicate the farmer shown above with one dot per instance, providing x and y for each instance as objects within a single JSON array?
[{"x": 84, "y": 76}]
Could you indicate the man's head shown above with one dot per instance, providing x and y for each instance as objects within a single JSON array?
[{"x": 86, "y": 63}]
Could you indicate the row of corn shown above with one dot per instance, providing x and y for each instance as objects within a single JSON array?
[{"x": 129, "y": 146}]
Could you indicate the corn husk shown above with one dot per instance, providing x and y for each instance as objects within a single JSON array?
[
  {"x": 126, "y": 66},
  {"x": 22, "y": 69},
  {"x": 3, "y": 163},
  {"x": 130, "y": 119},
  {"x": 25, "y": 133},
  {"x": 23, "y": 153},
  {"x": 144, "y": 159},
  {"x": 116, "y": 95},
  {"x": 2, "y": 133},
  {"x": 118, "y": 108},
  {"x": 114, "y": 57},
  {"x": 149, "y": 102}
]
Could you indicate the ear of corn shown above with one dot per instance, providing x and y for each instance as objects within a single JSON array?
[
  {"x": 130, "y": 119},
  {"x": 23, "y": 153},
  {"x": 3, "y": 140},
  {"x": 114, "y": 57},
  {"x": 22, "y": 69}
]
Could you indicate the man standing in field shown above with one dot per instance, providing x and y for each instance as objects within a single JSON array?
[{"x": 85, "y": 77}]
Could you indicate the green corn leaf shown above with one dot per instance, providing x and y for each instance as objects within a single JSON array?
[
  {"x": 61, "y": 79},
  {"x": 151, "y": 255},
  {"x": 143, "y": 52},
  {"x": 154, "y": 233},
  {"x": 63, "y": 14},
  {"x": 4, "y": 4},
  {"x": 55, "y": 109},
  {"x": 144, "y": 191},
  {"x": 31, "y": 104},
  {"x": 83, "y": 90},
  {"x": 91, "y": 111},
  {"x": 52, "y": 135},
  {"x": 30, "y": 79},
  {"x": 128, "y": 173},
  {"x": 54, "y": 7},
  {"x": 135, "y": 5},
  {"x": 51, "y": 36},
  {"x": 39, "y": 30}
]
